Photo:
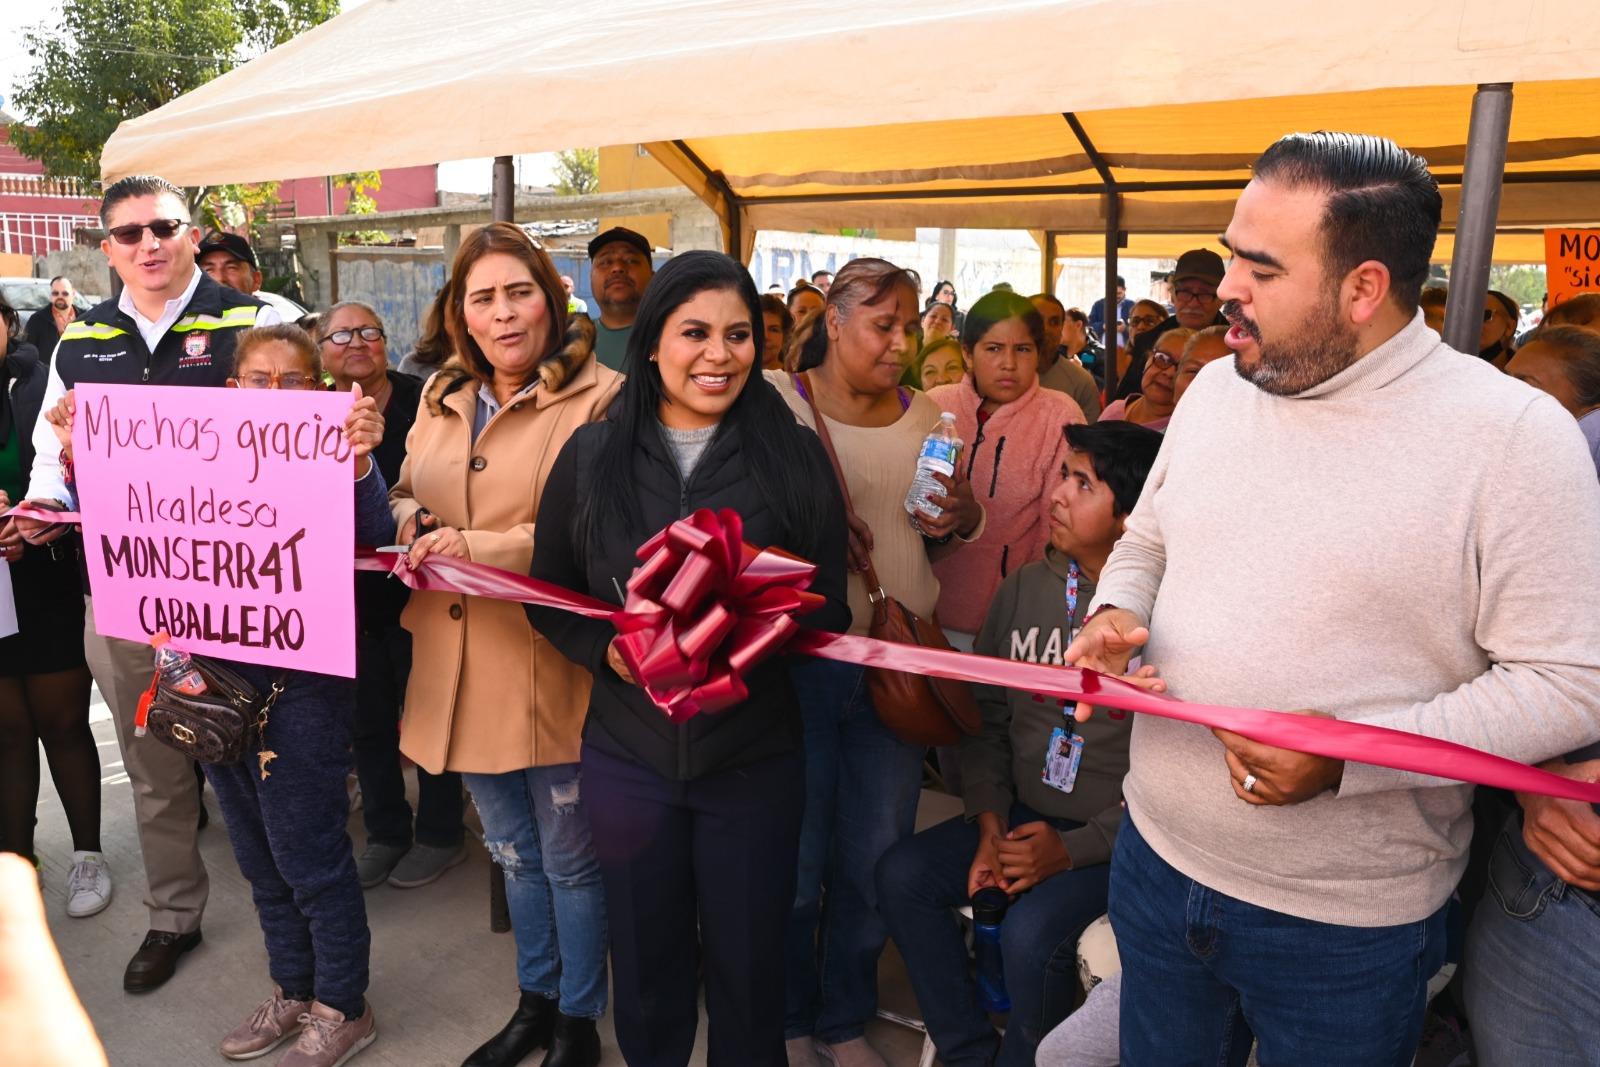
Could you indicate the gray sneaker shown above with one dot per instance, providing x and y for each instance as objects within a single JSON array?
[
  {"x": 375, "y": 864},
  {"x": 424, "y": 864}
]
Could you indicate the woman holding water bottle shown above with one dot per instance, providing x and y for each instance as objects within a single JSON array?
[
  {"x": 1014, "y": 454},
  {"x": 862, "y": 781}
]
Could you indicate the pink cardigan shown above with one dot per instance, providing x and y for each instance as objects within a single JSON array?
[{"x": 1014, "y": 466}]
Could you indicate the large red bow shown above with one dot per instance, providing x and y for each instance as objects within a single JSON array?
[{"x": 704, "y": 608}]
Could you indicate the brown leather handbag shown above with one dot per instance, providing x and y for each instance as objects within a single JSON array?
[
  {"x": 918, "y": 708},
  {"x": 218, "y": 726}
]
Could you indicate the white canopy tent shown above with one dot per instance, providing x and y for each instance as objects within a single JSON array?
[{"x": 1062, "y": 116}]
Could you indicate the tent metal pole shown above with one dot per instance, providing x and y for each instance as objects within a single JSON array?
[
  {"x": 1198, "y": 185},
  {"x": 1112, "y": 305},
  {"x": 503, "y": 199},
  {"x": 1487, "y": 137},
  {"x": 1108, "y": 376},
  {"x": 725, "y": 191}
]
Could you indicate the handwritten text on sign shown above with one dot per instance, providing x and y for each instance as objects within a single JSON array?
[
  {"x": 223, "y": 516},
  {"x": 1572, "y": 263}
]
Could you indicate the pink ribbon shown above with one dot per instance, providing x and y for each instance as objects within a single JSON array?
[
  {"x": 28, "y": 511},
  {"x": 704, "y": 607}
]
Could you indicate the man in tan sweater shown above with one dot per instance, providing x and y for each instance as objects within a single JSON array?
[{"x": 1350, "y": 517}]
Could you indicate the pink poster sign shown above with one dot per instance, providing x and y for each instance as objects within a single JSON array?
[{"x": 223, "y": 516}]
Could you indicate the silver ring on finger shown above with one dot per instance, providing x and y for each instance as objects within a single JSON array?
[{"x": 1249, "y": 783}]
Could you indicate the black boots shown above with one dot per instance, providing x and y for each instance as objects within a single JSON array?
[
  {"x": 530, "y": 1028},
  {"x": 575, "y": 1043}
]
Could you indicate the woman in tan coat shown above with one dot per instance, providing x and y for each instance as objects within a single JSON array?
[{"x": 488, "y": 696}]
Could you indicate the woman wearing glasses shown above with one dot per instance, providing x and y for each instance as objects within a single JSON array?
[
  {"x": 407, "y": 855},
  {"x": 1152, "y": 405},
  {"x": 286, "y": 822}
]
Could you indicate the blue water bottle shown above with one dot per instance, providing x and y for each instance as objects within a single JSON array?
[{"x": 988, "y": 909}]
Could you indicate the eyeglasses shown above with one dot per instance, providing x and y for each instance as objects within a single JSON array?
[
  {"x": 291, "y": 380},
  {"x": 1144, "y": 320},
  {"x": 1193, "y": 296},
  {"x": 160, "y": 229},
  {"x": 1164, "y": 359},
  {"x": 369, "y": 334}
]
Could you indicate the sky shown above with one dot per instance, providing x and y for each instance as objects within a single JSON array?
[{"x": 460, "y": 176}]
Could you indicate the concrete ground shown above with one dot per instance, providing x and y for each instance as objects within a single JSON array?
[{"x": 441, "y": 981}]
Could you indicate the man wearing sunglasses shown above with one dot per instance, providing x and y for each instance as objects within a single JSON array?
[
  {"x": 44, "y": 328},
  {"x": 1195, "y": 306},
  {"x": 171, "y": 325}
]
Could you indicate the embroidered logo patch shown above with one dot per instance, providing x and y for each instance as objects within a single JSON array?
[{"x": 196, "y": 344}]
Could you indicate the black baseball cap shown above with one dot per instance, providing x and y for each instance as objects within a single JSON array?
[
  {"x": 623, "y": 234},
  {"x": 231, "y": 243},
  {"x": 1201, "y": 263}
]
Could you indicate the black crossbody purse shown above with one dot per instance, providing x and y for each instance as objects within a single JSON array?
[{"x": 220, "y": 725}]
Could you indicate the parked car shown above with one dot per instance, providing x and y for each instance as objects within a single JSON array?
[
  {"x": 288, "y": 310},
  {"x": 28, "y": 295}
]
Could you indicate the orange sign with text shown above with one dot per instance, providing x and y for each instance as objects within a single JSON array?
[{"x": 1572, "y": 263}]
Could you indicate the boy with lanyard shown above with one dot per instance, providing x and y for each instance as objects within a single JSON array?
[{"x": 1043, "y": 794}]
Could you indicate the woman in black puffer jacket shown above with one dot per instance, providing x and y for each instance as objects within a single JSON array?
[{"x": 697, "y": 821}]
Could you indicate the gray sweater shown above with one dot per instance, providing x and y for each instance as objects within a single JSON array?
[
  {"x": 1027, "y": 621},
  {"x": 1415, "y": 543}
]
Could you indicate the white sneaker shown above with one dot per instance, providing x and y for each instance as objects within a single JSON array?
[{"x": 88, "y": 885}]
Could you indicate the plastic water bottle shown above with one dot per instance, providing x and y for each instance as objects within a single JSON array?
[
  {"x": 988, "y": 909},
  {"x": 940, "y": 451},
  {"x": 175, "y": 666}
]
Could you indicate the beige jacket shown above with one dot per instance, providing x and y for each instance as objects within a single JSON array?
[{"x": 487, "y": 693}]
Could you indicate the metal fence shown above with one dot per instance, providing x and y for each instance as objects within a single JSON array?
[{"x": 37, "y": 234}]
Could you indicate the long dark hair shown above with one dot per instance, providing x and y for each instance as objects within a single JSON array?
[{"x": 787, "y": 469}]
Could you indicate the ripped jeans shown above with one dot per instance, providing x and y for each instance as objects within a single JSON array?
[{"x": 535, "y": 827}]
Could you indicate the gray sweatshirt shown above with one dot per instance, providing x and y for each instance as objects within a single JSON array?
[
  {"x": 1415, "y": 543},
  {"x": 1027, "y": 621}
]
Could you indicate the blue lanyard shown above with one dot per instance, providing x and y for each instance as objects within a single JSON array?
[{"x": 1072, "y": 595}]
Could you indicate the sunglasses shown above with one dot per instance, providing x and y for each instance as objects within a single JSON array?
[
  {"x": 160, "y": 229},
  {"x": 369, "y": 334},
  {"x": 275, "y": 381}
]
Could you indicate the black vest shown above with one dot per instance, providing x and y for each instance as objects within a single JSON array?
[{"x": 103, "y": 346}]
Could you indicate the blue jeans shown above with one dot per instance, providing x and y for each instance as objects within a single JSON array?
[
  {"x": 920, "y": 883},
  {"x": 862, "y": 786},
  {"x": 1533, "y": 964},
  {"x": 536, "y": 829},
  {"x": 288, "y": 834},
  {"x": 1203, "y": 971}
]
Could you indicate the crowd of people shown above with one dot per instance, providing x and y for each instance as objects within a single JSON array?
[{"x": 1349, "y": 517}]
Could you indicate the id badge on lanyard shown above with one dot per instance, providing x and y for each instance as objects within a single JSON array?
[{"x": 1065, "y": 751}]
